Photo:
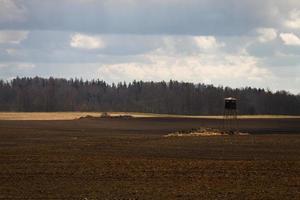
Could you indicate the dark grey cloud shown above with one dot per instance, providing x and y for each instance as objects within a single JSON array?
[{"x": 193, "y": 17}]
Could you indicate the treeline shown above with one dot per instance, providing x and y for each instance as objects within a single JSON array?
[{"x": 173, "y": 97}]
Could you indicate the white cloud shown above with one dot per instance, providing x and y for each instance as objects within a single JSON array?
[
  {"x": 86, "y": 42},
  {"x": 83, "y": 1},
  {"x": 290, "y": 39},
  {"x": 14, "y": 37},
  {"x": 18, "y": 66},
  {"x": 25, "y": 66},
  {"x": 11, "y": 51},
  {"x": 11, "y": 11},
  {"x": 266, "y": 34},
  {"x": 207, "y": 42},
  {"x": 294, "y": 19},
  {"x": 207, "y": 68}
]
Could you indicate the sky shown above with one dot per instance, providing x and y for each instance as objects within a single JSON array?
[{"x": 222, "y": 42}]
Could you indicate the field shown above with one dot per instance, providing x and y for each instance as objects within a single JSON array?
[
  {"x": 57, "y": 156},
  {"x": 75, "y": 115}
]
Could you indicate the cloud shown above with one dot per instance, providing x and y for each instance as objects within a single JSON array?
[
  {"x": 82, "y": 1},
  {"x": 10, "y": 11},
  {"x": 182, "y": 58},
  {"x": 290, "y": 39},
  {"x": 230, "y": 42},
  {"x": 294, "y": 19},
  {"x": 208, "y": 68},
  {"x": 86, "y": 42},
  {"x": 18, "y": 66},
  {"x": 207, "y": 42},
  {"x": 14, "y": 69},
  {"x": 173, "y": 17},
  {"x": 266, "y": 34},
  {"x": 14, "y": 37},
  {"x": 11, "y": 51},
  {"x": 25, "y": 66}
]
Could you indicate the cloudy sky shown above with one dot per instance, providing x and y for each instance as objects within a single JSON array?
[{"x": 222, "y": 42}]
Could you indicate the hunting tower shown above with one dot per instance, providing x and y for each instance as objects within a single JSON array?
[{"x": 230, "y": 121}]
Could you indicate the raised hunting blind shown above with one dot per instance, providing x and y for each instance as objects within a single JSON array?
[
  {"x": 230, "y": 121},
  {"x": 230, "y": 103}
]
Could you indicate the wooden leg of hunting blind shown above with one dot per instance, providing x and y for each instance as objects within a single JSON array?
[{"x": 230, "y": 122}]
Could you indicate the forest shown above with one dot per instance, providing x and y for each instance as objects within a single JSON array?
[{"x": 173, "y": 97}]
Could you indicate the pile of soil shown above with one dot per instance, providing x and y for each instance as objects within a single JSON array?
[
  {"x": 106, "y": 116},
  {"x": 203, "y": 132}
]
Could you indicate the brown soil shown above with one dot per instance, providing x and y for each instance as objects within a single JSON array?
[{"x": 118, "y": 158}]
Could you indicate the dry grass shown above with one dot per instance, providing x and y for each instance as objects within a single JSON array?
[
  {"x": 76, "y": 115},
  {"x": 44, "y": 115}
]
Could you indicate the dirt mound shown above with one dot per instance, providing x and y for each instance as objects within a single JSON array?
[
  {"x": 203, "y": 132},
  {"x": 105, "y": 115}
]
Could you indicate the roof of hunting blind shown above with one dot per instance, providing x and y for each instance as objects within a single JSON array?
[
  {"x": 230, "y": 103},
  {"x": 230, "y": 99}
]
